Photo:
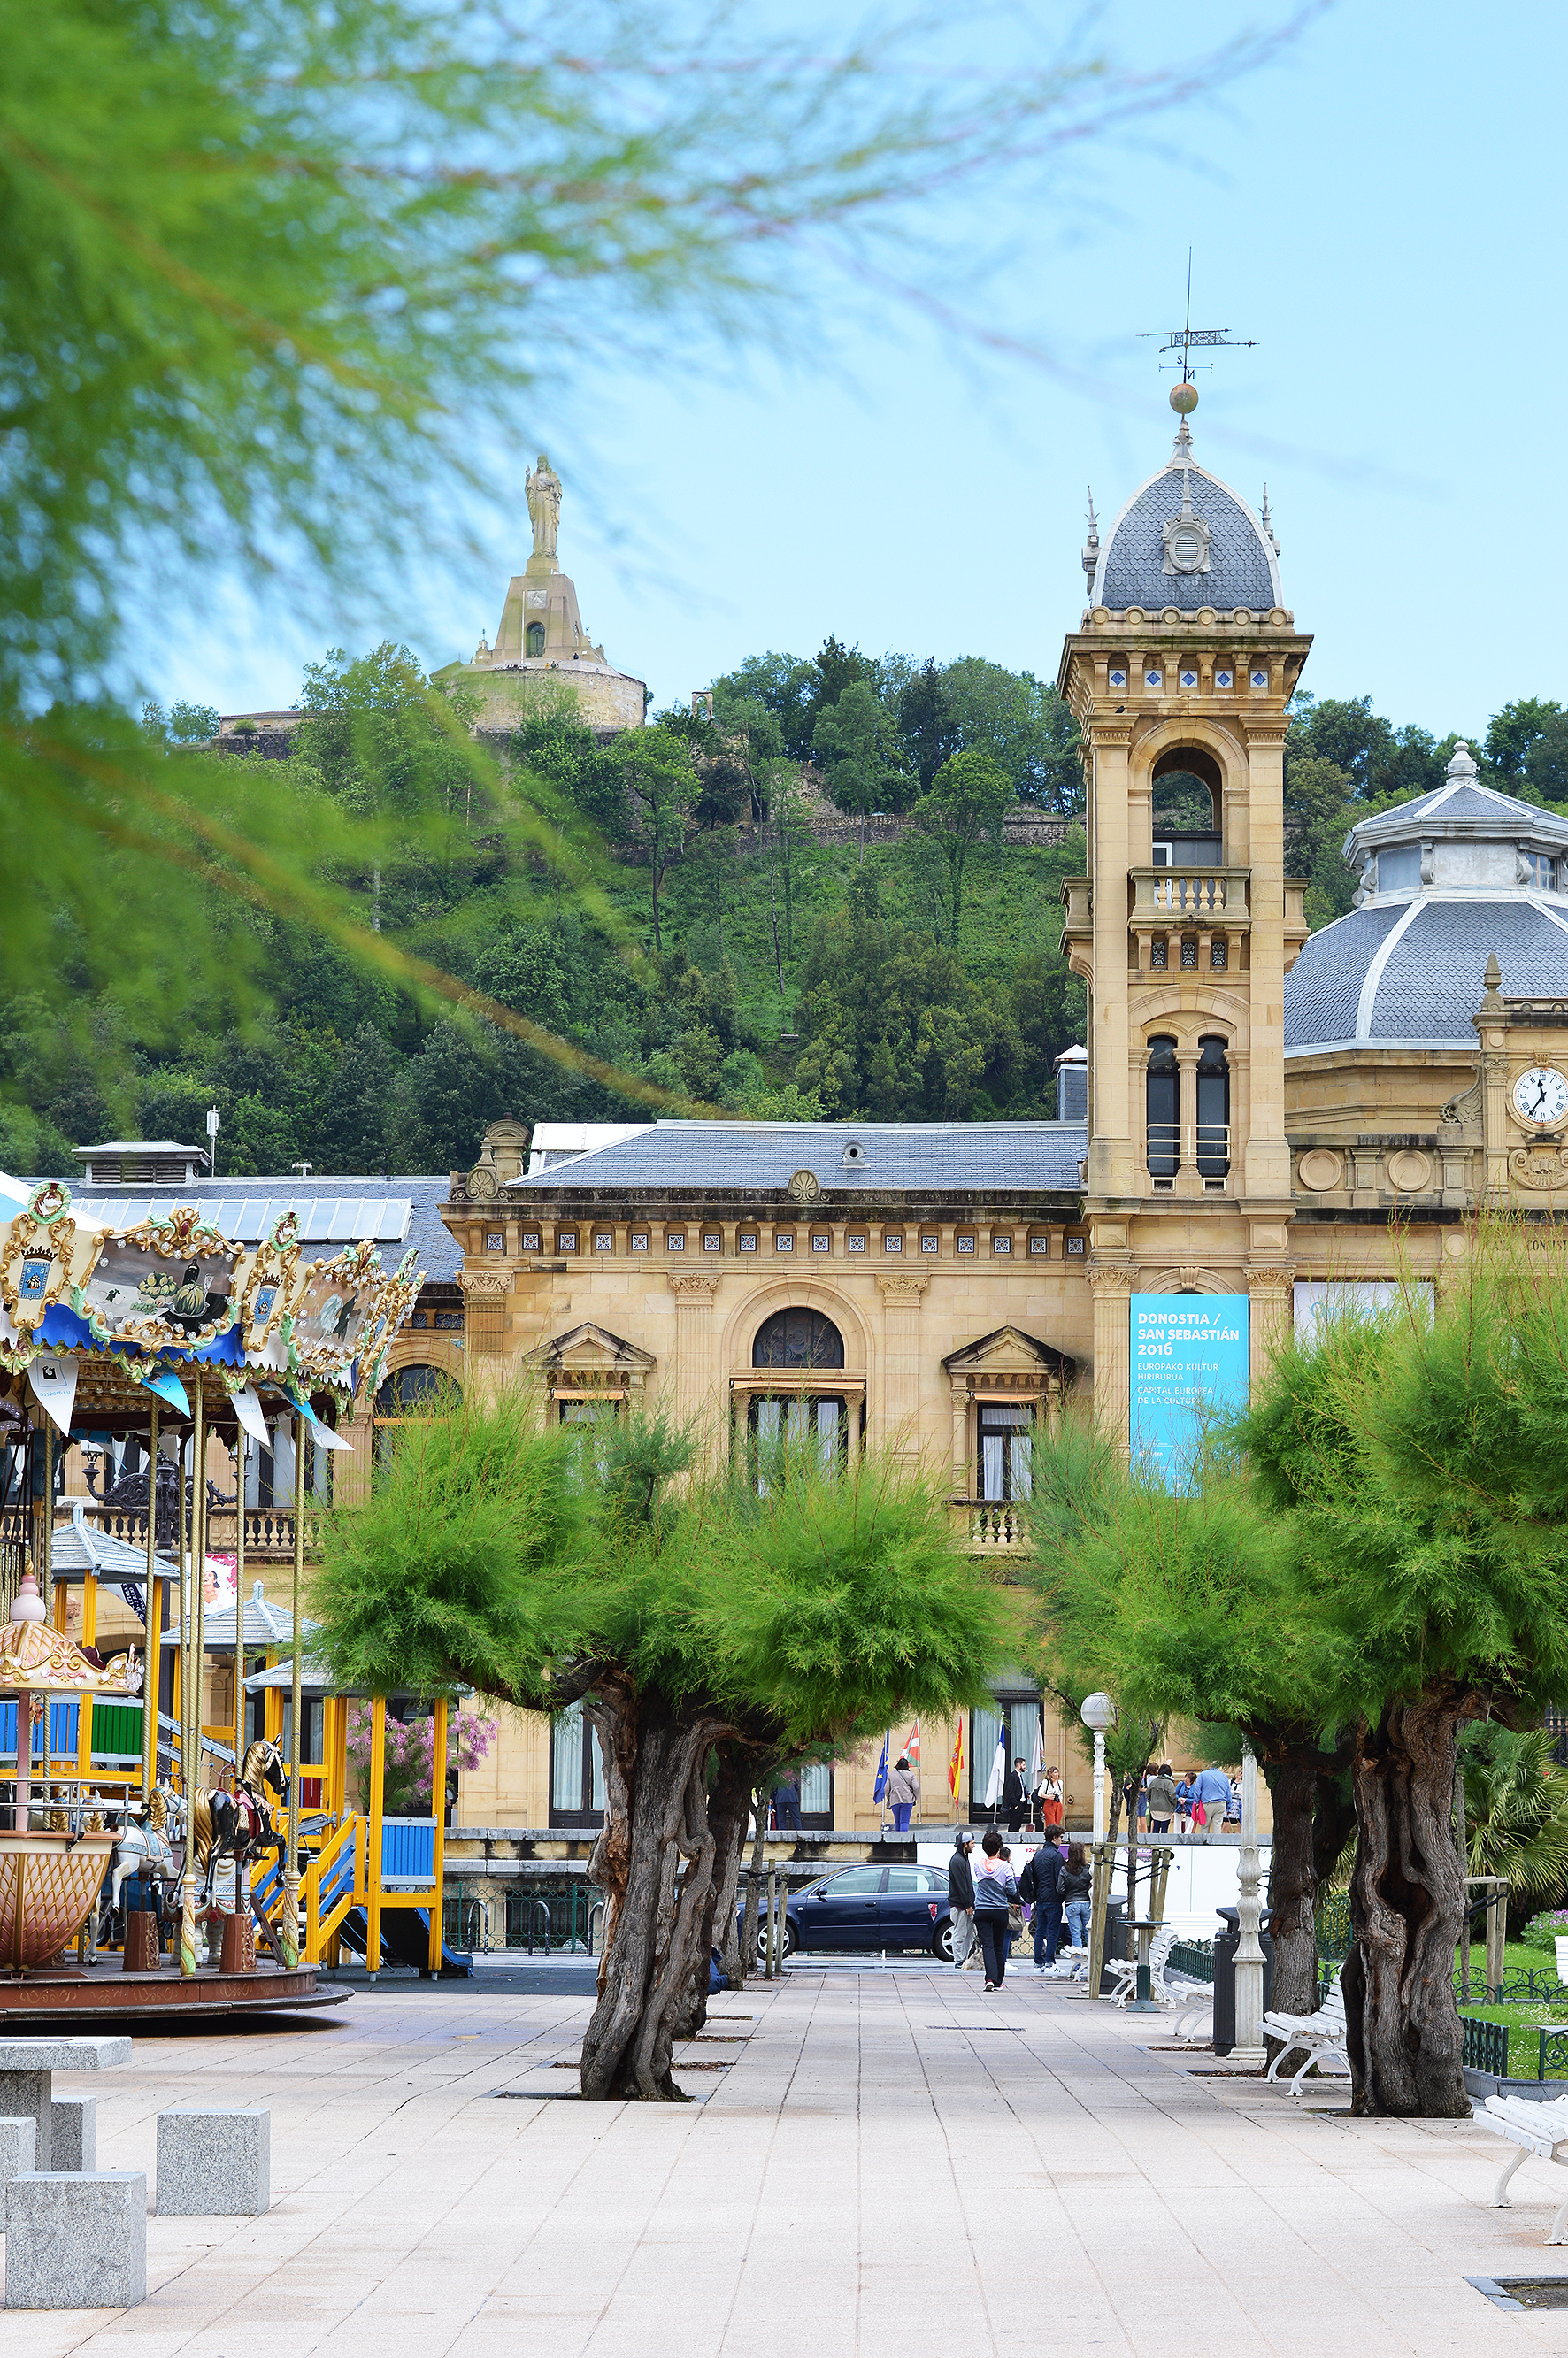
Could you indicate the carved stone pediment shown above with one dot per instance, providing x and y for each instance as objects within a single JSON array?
[
  {"x": 588, "y": 1350},
  {"x": 1009, "y": 1351}
]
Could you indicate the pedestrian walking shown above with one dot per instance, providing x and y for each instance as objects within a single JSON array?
[
  {"x": 961, "y": 1897},
  {"x": 1161, "y": 1800},
  {"x": 903, "y": 1793},
  {"x": 1076, "y": 1885},
  {"x": 1211, "y": 1788},
  {"x": 786, "y": 1802},
  {"x": 1015, "y": 1795},
  {"x": 995, "y": 1893},
  {"x": 1185, "y": 1800},
  {"x": 1041, "y": 1884}
]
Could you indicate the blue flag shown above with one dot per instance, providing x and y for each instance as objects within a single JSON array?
[{"x": 883, "y": 1772}]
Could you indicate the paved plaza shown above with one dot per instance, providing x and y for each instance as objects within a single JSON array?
[{"x": 884, "y": 2162}]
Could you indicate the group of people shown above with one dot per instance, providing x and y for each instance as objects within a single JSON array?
[
  {"x": 1163, "y": 1803},
  {"x": 986, "y": 1900},
  {"x": 1039, "y": 1806}
]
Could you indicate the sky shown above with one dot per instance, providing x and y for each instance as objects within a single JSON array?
[{"x": 1380, "y": 208}]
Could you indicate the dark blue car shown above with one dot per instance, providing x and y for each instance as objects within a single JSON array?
[{"x": 871, "y": 1908}]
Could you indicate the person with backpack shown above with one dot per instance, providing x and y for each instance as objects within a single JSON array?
[
  {"x": 1041, "y": 1884},
  {"x": 1076, "y": 1887}
]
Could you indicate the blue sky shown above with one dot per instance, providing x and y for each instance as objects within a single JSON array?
[{"x": 1381, "y": 208}]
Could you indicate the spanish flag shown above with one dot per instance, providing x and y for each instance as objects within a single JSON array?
[{"x": 956, "y": 1766}]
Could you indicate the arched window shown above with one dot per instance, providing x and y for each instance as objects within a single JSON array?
[
  {"x": 408, "y": 1392},
  {"x": 535, "y": 639},
  {"x": 1214, "y": 1110},
  {"x": 798, "y": 1338},
  {"x": 1163, "y": 1110},
  {"x": 1189, "y": 798}
]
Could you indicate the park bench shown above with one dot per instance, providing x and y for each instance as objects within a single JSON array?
[
  {"x": 1321, "y": 2037},
  {"x": 1538, "y": 2128},
  {"x": 1125, "y": 1968}
]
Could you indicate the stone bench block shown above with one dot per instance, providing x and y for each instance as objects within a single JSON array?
[
  {"x": 24, "y": 2096},
  {"x": 16, "y": 2142},
  {"x": 73, "y": 2133},
  {"x": 213, "y": 2163},
  {"x": 76, "y": 2240}
]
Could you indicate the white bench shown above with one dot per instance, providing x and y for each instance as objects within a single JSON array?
[
  {"x": 1321, "y": 2037},
  {"x": 1540, "y": 2129},
  {"x": 1126, "y": 1969}
]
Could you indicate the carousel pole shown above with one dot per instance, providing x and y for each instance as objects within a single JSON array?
[
  {"x": 192, "y": 1715},
  {"x": 152, "y": 1638},
  {"x": 289, "y": 1928},
  {"x": 242, "y": 1875}
]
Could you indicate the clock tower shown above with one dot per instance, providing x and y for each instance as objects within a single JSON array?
[{"x": 1187, "y": 924}]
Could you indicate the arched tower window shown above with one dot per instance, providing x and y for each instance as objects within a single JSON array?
[
  {"x": 1188, "y": 805},
  {"x": 1214, "y": 1110},
  {"x": 798, "y": 1338},
  {"x": 1163, "y": 1110},
  {"x": 535, "y": 643}
]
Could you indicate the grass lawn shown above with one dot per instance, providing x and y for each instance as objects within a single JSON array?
[{"x": 1522, "y": 2020}]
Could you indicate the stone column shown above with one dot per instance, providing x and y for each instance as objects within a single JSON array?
[
  {"x": 693, "y": 1370},
  {"x": 1266, "y": 1161},
  {"x": 1270, "y": 1318},
  {"x": 1113, "y": 1151},
  {"x": 485, "y": 1294},
  {"x": 1110, "y": 1289},
  {"x": 899, "y": 1402},
  {"x": 960, "y": 1389}
]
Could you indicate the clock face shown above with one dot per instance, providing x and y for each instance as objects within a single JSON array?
[{"x": 1540, "y": 1096}]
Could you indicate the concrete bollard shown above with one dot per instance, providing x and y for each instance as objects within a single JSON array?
[
  {"x": 17, "y": 2139},
  {"x": 214, "y": 2164},
  {"x": 76, "y": 2240},
  {"x": 73, "y": 2133}
]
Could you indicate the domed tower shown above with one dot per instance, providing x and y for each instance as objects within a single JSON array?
[{"x": 1186, "y": 925}]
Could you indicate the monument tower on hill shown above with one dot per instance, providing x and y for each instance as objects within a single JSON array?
[{"x": 540, "y": 643}]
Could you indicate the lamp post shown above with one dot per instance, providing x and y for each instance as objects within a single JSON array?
[
  {"x": 1249, "y": 2047},
  {"x": 1098, "y": 1713}
]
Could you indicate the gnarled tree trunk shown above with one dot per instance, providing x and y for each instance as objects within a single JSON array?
[
  {"x": 726, "y": 1803},
  {"x": 1292, "y": 1886},
  {"x": 1406, "y": 1899},
  {"x": 656, "y": 1825}
]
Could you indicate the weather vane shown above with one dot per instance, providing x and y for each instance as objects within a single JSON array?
[{"x": 1186, "y": 339}]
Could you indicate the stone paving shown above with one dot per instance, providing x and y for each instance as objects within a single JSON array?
[{"x": 888, "y": 2162}]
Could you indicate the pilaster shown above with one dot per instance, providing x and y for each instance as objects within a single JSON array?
[
  {"x": 695, "y": 1294},
  {"x": 1111, "y": 1289},
  {"x": 1270, "y": 1316},
  {"x": 901, "y": 1361}
]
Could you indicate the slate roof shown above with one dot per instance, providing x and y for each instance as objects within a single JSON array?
[
  {"x": 1243, "y": 567},
  {"x": 1412, "y": 970},
  {"x": 396, "y": 1212},
  {"x": 1463, "y": 807},
  {"x": 987, "y": 1158}
]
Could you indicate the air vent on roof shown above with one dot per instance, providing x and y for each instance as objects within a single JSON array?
[{"x": 855, "y": 1152}]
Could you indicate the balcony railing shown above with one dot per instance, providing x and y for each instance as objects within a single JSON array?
[
  {"x": 992, "y": 1526},
  {"x": 1173, "y": 1148},
  {"x": 1213, "y": 899},
  {"x": 269, "y": 1531}
]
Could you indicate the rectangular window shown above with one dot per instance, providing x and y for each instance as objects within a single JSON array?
[
  {"x": 817, "y": 1794},
  {"x": 1073, "y": 1248},
  {"x": 530, "y": 1240},
  {"x": 712, "y": 1240},
  {"x": 577, "y": 1771},
  {"x": 783, "y": 1240},
  {"x": 793, "y": 1424},
  {"x": 893, "y": 1240},
  {"x": 675, "y": 1240},
  {"x": 1189, "y": 954},
  {"x": 494, "y": 1240},
  {"x": 565, "y": 1241},
  {"x": 638, "y": 1241},
  {"x": 1006, "y": 1445},
  {"x": 930, "y": 1241},
  {"x": 451, "y": 1320},
  {"x": 605, "y": 1241},
  {"x": 1159, "y": 952},
  {"x": 746, "y": 1240},
  {"x": 1217, "y": 957}
]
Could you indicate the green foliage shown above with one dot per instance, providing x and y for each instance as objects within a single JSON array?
[
  {"x": 1516, "y": 1810},
  {"x": 1022, "y": 724},
  {"x": 655, "y": 767},
  {"x": 967, "y": 802},
  {"x": 866, "y": 767},
  {"x": 1526, "y": 751}
]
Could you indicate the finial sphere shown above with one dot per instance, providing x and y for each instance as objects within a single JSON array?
[{"x": 1183, "y": 399}]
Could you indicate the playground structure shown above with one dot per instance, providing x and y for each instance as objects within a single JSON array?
[{"x": 148, "y": 1744}]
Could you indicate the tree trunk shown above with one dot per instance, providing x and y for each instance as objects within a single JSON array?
[
  {"x": 1407, "y": 1897},
  {"x": 1293, "y": 1886},
  {"x": 751, "y": 1929},
  {"x": 726, "y": 1801},
  {"x": 655, "y": 1822}
]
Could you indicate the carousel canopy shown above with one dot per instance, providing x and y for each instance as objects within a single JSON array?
[
  {"x": 265, "y": 1627},
  {"x": 76, "y": 1550}
]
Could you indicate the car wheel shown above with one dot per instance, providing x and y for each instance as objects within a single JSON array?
[
  {"x": 942, "y": 1940},
  {"x": 788, "y": 1944}
]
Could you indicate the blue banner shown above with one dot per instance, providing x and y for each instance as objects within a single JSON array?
[{"x": 1187, "y": 1359}]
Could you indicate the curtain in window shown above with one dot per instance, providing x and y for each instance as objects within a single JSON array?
[
  {"x": 815, "y": 1789},
  {"x": 982, "y": 1752},
  {"x": 566, "y": 1758}
]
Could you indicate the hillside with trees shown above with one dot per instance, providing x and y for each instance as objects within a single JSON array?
[{"x": 836, "y": 894}]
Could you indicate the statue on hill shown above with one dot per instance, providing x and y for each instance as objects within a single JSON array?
[{"x": 543, "y": 488}]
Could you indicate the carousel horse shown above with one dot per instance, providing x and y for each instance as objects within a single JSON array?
[
  {"x": 239, "y": 1826},
  {"x": 146, "y": 1850}
]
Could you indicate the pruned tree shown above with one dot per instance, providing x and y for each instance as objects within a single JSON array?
[{"x": 695, "y": 1630}]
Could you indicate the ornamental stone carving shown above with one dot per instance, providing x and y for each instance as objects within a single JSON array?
[
  {"x": 699, "y": 1287},
  {"x": 902, "y": 1289},
  {"x": 806, "y": 1187},
  {"x": 1537, "y": 1167},
  {"x": 1320, "y": 1170},
  {"x": 485, "y": 1282}
]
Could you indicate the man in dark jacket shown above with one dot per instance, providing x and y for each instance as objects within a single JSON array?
[
  {"x": 1041, "y": 1885},
  {"x": 1015, "y": 1796},
  {"x": 962, "y": 1898}
]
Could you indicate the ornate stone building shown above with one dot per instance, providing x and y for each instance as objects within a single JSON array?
[{"x": 1268, "y": 1116}]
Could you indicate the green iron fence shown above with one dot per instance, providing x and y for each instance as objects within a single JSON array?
[
  {"x": 1192, "y": 1958},
  {"x": 1485, "y": 2045}
]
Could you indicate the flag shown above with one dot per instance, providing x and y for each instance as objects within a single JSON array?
[
  {"x": 956, "y": 1766},
  {"x": 912, "y": 1745},
  {"x": 998, "y": 1778},
  {"x": 1037, "y": 1757},
  {"x": 883, "y": 1771},
  {"x": 54, "y": 1389},
  {"x": 167, "y": 1386},
  {"x": 247, "y": 1407}
]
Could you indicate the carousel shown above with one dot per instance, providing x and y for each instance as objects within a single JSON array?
[{"x": 151, "y": 1854}]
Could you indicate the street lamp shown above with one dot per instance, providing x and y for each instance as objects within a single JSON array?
[{"x": 1098, "y": 1713}]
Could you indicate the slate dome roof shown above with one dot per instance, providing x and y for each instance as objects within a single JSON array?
[
  {"x": 1446, "y": 881},
  {"x": 1224, "y": 557}
]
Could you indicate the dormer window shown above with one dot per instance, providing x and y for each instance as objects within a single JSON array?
[
  {"x": 854, "y": 1152},
  {"x": 1542, "y": 872}
]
